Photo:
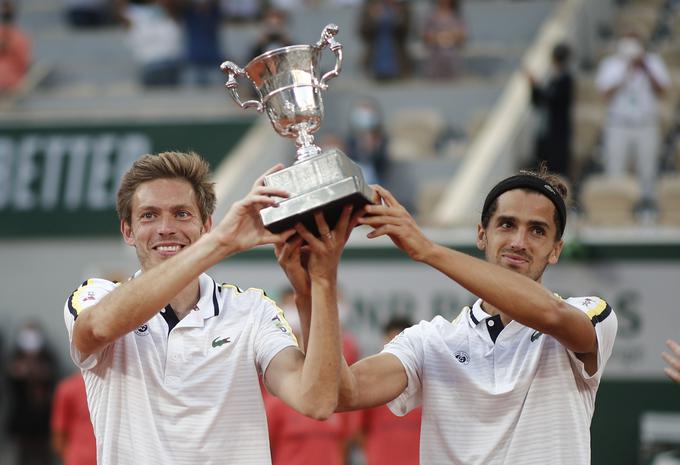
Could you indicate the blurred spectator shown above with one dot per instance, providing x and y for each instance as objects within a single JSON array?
[
  {"x": 367, "y": 140},
  {"x": 202, "y": 37},
  {"x": 88, "y": 13},
  {"x": 155, "y": 39},
  {"x": 31, "y": 372},
  {"x": 15, "y": 50},
  {"x": 673, "y": 360},
  {"x": 387, "y": 438},
  {"x": 384, "y": 27},
  {"x": 299, "y": 440},
  {"x": 241, "y": 10},
  {"x": 443, "y": 35},
  {"x": 274, "y": 34},
  {"x": 553, "y": 101},
  {"x": 632, "y": 80},
  {"x": 72, "y": 434}
]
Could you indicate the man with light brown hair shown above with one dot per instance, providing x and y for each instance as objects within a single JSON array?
[{"x": 170, "y": 358}]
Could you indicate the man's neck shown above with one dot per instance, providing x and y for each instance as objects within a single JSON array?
[
  {"x": 491, "y": 310},
  {"x": 185, "y": 301}
]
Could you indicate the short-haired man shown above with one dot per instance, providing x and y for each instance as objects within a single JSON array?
[
  {"x": 512, "y": 380},
  {"x": 170, "y": 358}
]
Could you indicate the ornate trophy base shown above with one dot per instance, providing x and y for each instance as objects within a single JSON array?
[{"x": 324, "y": 182}]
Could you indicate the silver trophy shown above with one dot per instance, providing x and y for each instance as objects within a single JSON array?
[{"x": 289, "y": 87}]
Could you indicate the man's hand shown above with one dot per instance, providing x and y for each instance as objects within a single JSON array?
[
  {"x": 390, "y": 218},
  {"x": 303, "y": 253},
  {"x": 673, "y": 360},
  {"x": 242, "y": 229}
]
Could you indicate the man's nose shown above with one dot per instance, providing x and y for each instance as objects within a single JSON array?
[
  {"x": 166, "y": 225},
  {"x": 519, "y": 239}
]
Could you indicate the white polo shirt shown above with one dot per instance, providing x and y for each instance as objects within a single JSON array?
[
  {"x": 524, "y": 399},
  {"x": 183, "y": 392}
]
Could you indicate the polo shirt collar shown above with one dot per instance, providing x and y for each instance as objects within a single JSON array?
[
  {"x": 208, "y": 303},
  {"x": 477, "y": 313}
]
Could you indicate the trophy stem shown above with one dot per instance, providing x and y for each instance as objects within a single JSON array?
[{"x": 305, "y": 143}]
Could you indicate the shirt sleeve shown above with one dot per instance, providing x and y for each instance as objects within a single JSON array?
[
  {"x": 610, "y": 73},
  {"x": 273, "y": 334},
  {"x": 605, "y": 322},
  {"x": 408, "y": 348},
  {"x": 87, "y": 295},
  {"x": 657, "y": 68}
]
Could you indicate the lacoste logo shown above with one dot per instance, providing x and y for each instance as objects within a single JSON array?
[
  {"x": 535, "y": 335},
  {"x": 220, "y": 342},
  {"x": 462, "y": 357}
]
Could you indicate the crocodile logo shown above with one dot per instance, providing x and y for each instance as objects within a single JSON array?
[{"x": 220, "y": 342}]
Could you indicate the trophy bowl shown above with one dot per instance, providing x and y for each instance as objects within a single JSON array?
[{"x": 289, "y": 85}]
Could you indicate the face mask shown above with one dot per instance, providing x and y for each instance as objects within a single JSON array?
[
  {"x": 629, "y": 48},
  {"x": 364, "y": 118},
  {"x": 29, "y": 340}
]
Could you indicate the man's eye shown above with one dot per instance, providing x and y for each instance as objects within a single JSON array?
[
  {"x": 147, "y": 215},
  {"x": 183, "y": 214},
  {"x": 539, "y": 231}
]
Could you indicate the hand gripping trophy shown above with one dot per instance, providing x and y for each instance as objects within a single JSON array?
[{"x": 289, "y": 87}]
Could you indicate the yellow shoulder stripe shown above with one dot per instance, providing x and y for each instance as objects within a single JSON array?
[{"x": 601, "y": 307}]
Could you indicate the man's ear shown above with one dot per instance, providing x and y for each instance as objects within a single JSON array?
[
  {"x": 481, "y": 237},
  {"x": 207, "y": 226},
  {"x": 555, "y": 252},
  {"x": 126, "y": 231}
]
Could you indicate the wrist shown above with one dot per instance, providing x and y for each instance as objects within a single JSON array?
[
  {"x": 426, "y": 253},
  {"x": 222, "y": 245}
]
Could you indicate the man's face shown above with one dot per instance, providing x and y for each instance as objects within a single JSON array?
[
  {"x": 165, "y": 219},
  {"x": 521, "y": 234}
]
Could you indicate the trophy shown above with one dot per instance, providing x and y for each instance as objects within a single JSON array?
[{"x": 289, "y": 87}]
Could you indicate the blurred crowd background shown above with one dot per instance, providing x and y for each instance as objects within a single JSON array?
[{"x": 436, "y": 100}]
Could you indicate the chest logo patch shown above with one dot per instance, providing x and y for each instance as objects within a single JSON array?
[
  {"x": 142, "y": 330},
  {"x": 462, "y": 357},
  {"x": 535, "y": 335},
  {"x": 220, "y": 342}
]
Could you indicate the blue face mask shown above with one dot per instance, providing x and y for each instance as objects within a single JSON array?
[{"x": 364, "y": 118}]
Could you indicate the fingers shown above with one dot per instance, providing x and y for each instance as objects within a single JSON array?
[
  {"x": 343, "y": 224},
  {"x": 674, "y": 346},
  {"x": 673, "y": 360},
  {"x": 386, "y": 195},
  {"x": 260, "y": 181},
  {"x": 308, "y": 237},
  {"x": 321, "y": 225},
  {"x": 673, "y": 374}
]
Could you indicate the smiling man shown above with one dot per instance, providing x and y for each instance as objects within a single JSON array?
[
  {"x": 170, "y": 358},
  {"x": 512, "y": 380}
]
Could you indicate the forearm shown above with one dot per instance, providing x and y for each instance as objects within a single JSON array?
[
  {"x": 347, "y": 391},
  {"x": 517, "y": 296},
  {"x": 136, "y": 301},
  {"x": 303, "y": 302},
  {"x": 319, "y": 377}
]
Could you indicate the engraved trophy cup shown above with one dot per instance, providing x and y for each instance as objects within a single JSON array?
[{"x": 289, "y": 86}]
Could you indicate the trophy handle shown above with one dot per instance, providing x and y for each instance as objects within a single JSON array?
[
  {"x": 232, "y": 70},
  {"x": 328, "y": 38}
]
